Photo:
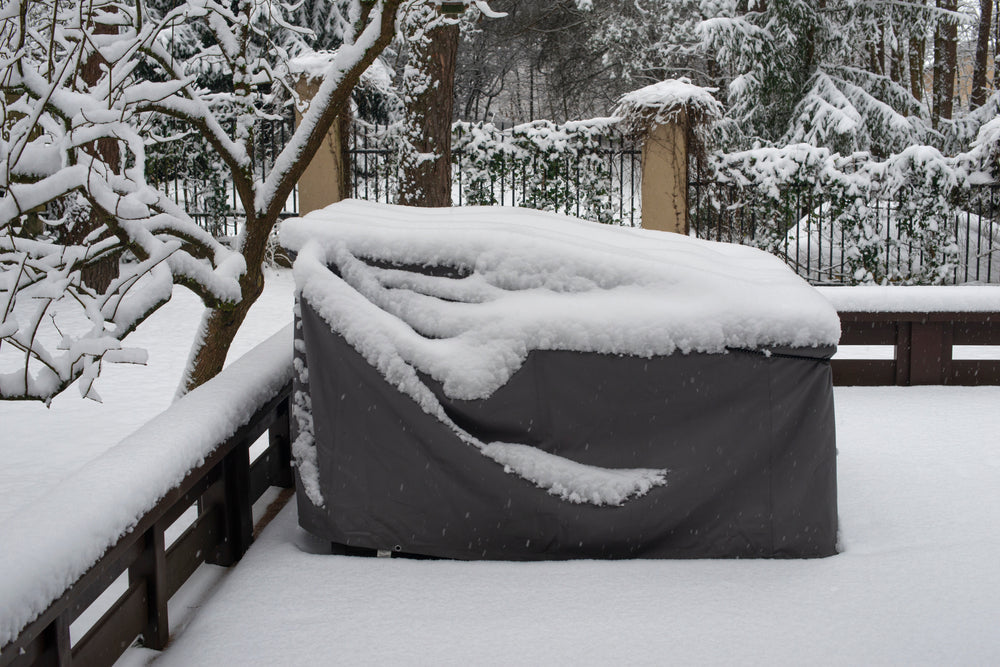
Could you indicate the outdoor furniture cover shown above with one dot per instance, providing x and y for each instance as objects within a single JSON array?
[{"x": 509, "y": 384}]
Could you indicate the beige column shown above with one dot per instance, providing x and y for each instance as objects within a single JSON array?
[
  {"x": 326, "y": 179},
  {"x": 664, "y": 177}
]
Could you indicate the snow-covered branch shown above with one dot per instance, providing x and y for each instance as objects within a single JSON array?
[
  {"x": 73, "y": 197},
  {"x": 91, "y": 247}
]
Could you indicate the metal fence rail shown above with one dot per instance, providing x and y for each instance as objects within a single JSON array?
[{"x": 599, "y": 178}]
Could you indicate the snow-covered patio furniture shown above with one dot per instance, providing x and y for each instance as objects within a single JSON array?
[{"x": 511, "y": 384}]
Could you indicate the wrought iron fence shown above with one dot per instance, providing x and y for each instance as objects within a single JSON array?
[
  {"x": 808, "y": 230},
  {"x": 203, "y": 187},
  {"x": 598, "y": 178},
  {"x": 592, "y": 171}
]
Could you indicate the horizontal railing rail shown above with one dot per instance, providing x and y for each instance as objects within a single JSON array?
[
  {"x": 224, "y": 489},
  {"x": 923, "y": 344}
]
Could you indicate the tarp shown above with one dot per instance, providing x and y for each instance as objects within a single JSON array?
[{"x": 746, "y": 437}]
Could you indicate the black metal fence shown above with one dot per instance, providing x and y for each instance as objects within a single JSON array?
[
  {"x": 597, "y": 179},
  {"x": 886, "y": 239},
  {"x": 203, "y": 187},
  {"x": 592, "y": 171}
]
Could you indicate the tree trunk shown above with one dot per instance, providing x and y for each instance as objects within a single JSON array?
[
  {"x": 896, "y": 64},
  {"x": 945, "y": 64},
  {"x": 977, "y": 98},
  {"x": 97, "y": 275},
  {"x": 219, "y": 325},
  {"x": 916, "y": 58},
  {"x": 429, "y": 93}
]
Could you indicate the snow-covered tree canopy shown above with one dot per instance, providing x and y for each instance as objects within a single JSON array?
[
  {"x": 84, "y": 85},
  {"x": 802, "y": 71}
]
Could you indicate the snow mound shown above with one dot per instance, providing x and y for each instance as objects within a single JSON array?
[{"x": 463, "y": 295}]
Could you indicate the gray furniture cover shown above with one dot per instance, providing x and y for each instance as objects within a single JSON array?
[
  {"x": 747, "y": 439},
  {"x": 487, "y": 382}
]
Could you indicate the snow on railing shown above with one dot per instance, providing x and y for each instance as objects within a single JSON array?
[
  {"x": 62, "y": 552},
  {"x": 923, "y": 327}
]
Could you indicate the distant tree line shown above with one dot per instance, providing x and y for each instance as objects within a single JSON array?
[{"x": 852, "y": 75}]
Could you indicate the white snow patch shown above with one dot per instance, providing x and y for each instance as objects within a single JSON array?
[
  {"x": 572, "y": 481},
  {"x": 526, "y": 280},
  {"x": 917, "y": 299}
]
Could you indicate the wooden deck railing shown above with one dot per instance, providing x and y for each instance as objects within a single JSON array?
[
  {"x": 923, "y": 345},
  {"x": 224, "y": 489}
]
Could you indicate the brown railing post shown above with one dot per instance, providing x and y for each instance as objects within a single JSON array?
[
  {"x": 56, "y": 641},
  {"x": 152, "y": 567},
  {"x": 237, "y": 511},
  {"x": 280, "y": 438},
  {"x": 904, "y": 353},
  {"x": 930, "y": 353}
]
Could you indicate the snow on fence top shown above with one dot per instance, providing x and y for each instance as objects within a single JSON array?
[
  {"x": 663, "y": 102},
  {"x": 463, "y": 294},
  {"x": 46, "y": 547}
]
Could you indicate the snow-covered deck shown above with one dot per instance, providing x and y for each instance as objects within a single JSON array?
[{"x": 918, "y": 581}]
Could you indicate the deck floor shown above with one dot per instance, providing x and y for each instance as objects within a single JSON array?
[{"x": 917, "y": 582}]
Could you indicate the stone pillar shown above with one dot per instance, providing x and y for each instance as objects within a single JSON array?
[
  {"x": 327, "y": 178},
  {"x": 664, "y": 176}
]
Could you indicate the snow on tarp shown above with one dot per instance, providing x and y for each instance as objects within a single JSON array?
[
  {"x": 46, "y": 548},
  {"x": 914, "y": 299},
  {"x": 504, "y": 282}
]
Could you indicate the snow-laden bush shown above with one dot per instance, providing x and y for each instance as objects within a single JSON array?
[
  {"x": 855, "y": 218},
  {"x": 569, "y": 167},
  {"x": 582, "y": 168}
]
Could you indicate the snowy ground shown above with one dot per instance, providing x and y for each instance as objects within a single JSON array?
[{"x": 918, "y": 580}]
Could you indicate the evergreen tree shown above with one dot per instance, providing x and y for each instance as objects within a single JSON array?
[{"x": 817, "y": 72}]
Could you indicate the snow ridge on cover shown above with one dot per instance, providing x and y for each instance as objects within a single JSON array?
[
  {"x": 46, "y": 549},
  {"x": 510, "y": 281}
]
